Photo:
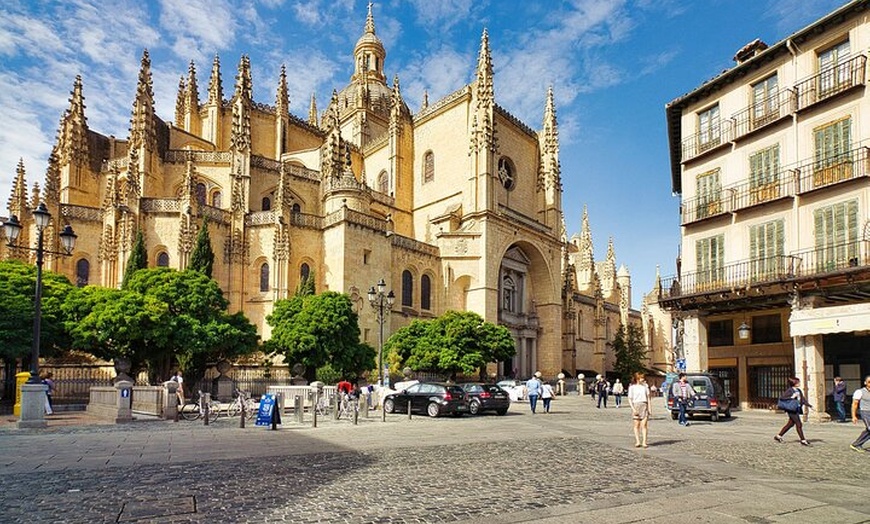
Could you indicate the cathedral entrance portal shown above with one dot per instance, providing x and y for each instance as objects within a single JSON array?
[{"x": 516, "y": 311}]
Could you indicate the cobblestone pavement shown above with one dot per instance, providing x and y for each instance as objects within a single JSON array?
[{"x": 573, "y": 465}]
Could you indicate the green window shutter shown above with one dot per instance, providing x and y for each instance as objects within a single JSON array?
[
  {"x": 819, "y": 227},
  {"x": 754, "y": 168},
  {"x": 753, "y": 242},
  {"x": 820, "y": 147},
  {"x": 845, "y": 135},
  {"x": 851, "y": 220},
  {"x": 780, "y": 237},
  {"x": 774, "y": 176}
]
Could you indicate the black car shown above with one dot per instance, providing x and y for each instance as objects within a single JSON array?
[
  {"x": 711, "y": 399},
  {"x": 486, "y": 397},
  {"x": 431, "y": 398}
]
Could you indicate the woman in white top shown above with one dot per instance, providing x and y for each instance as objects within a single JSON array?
[
  {"x": 547, "y": 394},
  {"x": 638, "y": 399},
  {"x": 618, "y": 390}
]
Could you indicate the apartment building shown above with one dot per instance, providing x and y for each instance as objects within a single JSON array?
[{"x": 770, "y": 159}]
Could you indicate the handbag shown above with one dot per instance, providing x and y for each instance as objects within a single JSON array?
[{"x": 789, "y": 405}]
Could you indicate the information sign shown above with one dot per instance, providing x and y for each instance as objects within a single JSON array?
[{"x": 264, "y": 412}]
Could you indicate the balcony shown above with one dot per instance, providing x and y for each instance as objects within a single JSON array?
[
  {"x": 764, "y": 112},
  {"x": 707, "y": 140},
  {"x": 746, "y": 194},
  {"x": 704, "y": 207},
  {"x": 831, "y": 81},
  {"x": 816, "y": 174},
  {"x": 780, "y": 273}
]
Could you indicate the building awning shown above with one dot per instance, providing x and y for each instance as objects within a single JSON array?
[{"x": 825, "y": 320}]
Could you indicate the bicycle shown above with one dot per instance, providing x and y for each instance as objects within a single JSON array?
[
  {"x": 243, "y": 398},
  {"x": 195, "y": 409},
  {"x": 347, "y": 406},
  {"x": 323, "y": 407}
]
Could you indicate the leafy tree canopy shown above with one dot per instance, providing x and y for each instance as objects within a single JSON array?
[
  {"x": 17, "y": 292},
  {"x": 456, "y": 342},
  {"x": 318, "y": 329}
]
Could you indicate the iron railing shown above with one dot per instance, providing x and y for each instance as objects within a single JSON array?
[
  {"x": 705, "y": 206},
  {"x": 748, "y": 194},
  {"x": 763, "y": 112},
  {"x": 708, "y": 140},
  {"x": 831, "y": 81},
  {"x": 755, "y": 272},
  {"x": 819, "y": 173}
]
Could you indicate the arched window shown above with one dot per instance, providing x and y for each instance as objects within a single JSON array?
[
  {"x": 83, "y": 272},
  {"x": 163, "y": 259},
  {"x": 384, "y": 182},
  {"x": 407, "y": 289},
  {"x": 425, "y": 293},
  {"x": 428, "y": 167},
  {"x": 509, "y": 294},
  {"x": 200, "y": 193},
  {"x": 264, "y": 278},
  {"x": 296, "y": 208},
  {"x": 216, "y": 199},
  {"x": 304, "y": 272},
  {"x": 267, "y": 204}
]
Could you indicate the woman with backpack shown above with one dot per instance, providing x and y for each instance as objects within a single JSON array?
[{"x": 792, "y": 401}]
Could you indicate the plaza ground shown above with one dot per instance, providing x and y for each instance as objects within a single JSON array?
[{"x": 576, "y": 464}]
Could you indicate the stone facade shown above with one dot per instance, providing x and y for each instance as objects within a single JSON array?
[{"x": 457, "y": 206}]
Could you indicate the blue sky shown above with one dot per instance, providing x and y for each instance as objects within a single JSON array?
[{"x": 613, "y": 64}]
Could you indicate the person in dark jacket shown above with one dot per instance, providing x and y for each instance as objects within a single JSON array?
[
  {"x": 840, "y": 397},
  {"x": 602, "y": 389},
  {"x": 794, "y": 417}
]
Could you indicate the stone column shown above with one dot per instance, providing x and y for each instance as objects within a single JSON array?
[
  {"x": 32, "y": 406},
  {"x": 124, "y": 397},
  {"x": 695, "y": 343},
  {"x": 809, "y": 363},
  {"x": 170, "y": 399}
]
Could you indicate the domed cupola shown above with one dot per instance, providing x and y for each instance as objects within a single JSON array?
[{"x": 369, "y": 53}]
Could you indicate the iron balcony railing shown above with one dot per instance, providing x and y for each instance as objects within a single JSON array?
[
  {"x": 748, "y": 194},
  {"x": 818, "y": 173},
  {"x": 831, "y": 81},
  {"x": 708, "y": 139},
  {"x": 763, "y": 112},
  {"x": 705, "y": 206},
  {"x": 745, "y": 274}
]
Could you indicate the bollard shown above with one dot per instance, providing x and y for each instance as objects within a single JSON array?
[
  {"x": 366, "y": 409},
  {"x": 383, "y": 412},
  {"x": 409, "y": 410},
  {"x": 298, "y": 409},
  {"x": 206, "y": 398},
  {"x": 356, "y": 413},
  {"x": 242, "y": 412},
  {"x": 314, "y": 418},
  {"x": 335, "y": 404}
]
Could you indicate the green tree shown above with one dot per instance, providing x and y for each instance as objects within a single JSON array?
[
  {"x": 17, "y": 292},
  {"x": 456, "y": 342},
  {"x": 318, "y": 329},
  {"x": 163, "y": 315},
  {"x": 138, "y": 258},
  {"x": 630, "y": 352},
  {"x": 202, "y": 258}
]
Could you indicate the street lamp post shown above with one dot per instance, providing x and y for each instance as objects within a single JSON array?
[
  {"x": 31, "y": 401},
  {"x": 382, "y": 303}
]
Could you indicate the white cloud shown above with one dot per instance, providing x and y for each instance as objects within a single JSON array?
[
  {"x": 439, "y": 73},
  {"x": 207, "y": 25},
  {"x": 440, "y": 15}
]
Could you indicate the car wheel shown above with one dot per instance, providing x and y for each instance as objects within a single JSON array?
[
  {"x": 432, "y": 410},
  {"x": 674, "y": 415},
  {"x": 714, "y": 416},
  {"x": 474, "y": 408},
  {"x": 389, "y": 405},
  {"x": 502, "y": 412},
  {"x": 728, "y": 413}
]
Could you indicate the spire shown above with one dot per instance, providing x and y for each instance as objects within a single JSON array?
[
  {"x": 550, "y": 170},
  {"x": 425, "y": 103},
  {"x": 611, "y": 255},
  {"x": 188, "y": 186},
  {"x": 282, "y": 98},
  {"x": 34, "y": 196},
  {"x": 370, "y": 21},
  {"x": 332, "y": 156},
  {"x": 18, "y": 199},
  {"x": 52, "y": 180},
  {"x": 483, "y": 135},
  {"x": 73, "y": 134},
  {"x": 215, "y": 86},
  {"x": 398, "y": 109},
  {"x": 312, "y": 111},
  {"x": 369, "y": 54},
  {"x": 111, "y": 199},
  {"x": 192, "y": 93},
  {"x": 180, "y": 102},
  {"x": 587, "y": 258},
  {"x": 142, "y": 129},
  {"x": 240, "y": 137},
  {"x": 485, "y": 91}
]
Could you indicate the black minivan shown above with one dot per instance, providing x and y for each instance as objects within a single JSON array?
[{"x": 711, "y": 399}]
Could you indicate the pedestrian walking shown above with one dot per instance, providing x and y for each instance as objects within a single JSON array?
[
  {"x": 547, "y": 395},
  {"x": 861, "y": 408},
  {"x": 602, "y": 389},
  {"x": 683, "y": 393},
  {"x": 533, "y": 388},
  {"x": 179, "y": 392},
  {"x": 792, "y": 401},
  {"x": 49, "y": 405},
  {"x": 840, "y": 397},
  {"x": 639, "y": 401},
  {"x": 618, "y": 391}
]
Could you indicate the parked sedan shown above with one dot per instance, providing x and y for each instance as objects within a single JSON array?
[
  {"x": 486, "y": 397},
  {"x": 431, "y": 398},
  {"x": 515, "y": 388}
]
